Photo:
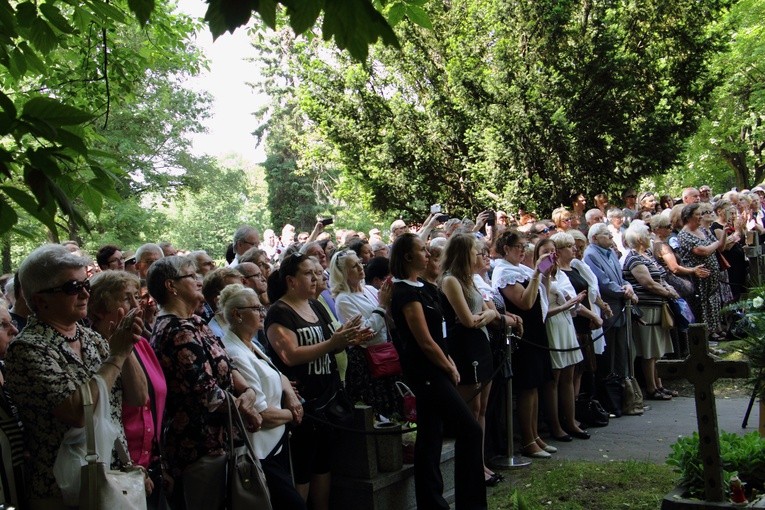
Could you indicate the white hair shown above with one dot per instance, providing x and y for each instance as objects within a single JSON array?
[{"x": 596, "y": 229}]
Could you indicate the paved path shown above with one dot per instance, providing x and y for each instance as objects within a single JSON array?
[{"x": 649, "y": 437}]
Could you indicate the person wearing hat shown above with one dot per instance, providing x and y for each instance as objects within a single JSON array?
[{"x": 705, "y": 193}]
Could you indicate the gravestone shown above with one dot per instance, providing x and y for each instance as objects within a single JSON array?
[{"x": 702, "y": 370}]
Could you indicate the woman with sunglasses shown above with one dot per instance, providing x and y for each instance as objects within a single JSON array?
[
  {"x": 303, "y": 340},
  {"x": 276, "y": 401},
  {"x": 112, "y": 294},
  {"x": 199, "y": 373},
  {"x": 434, "y": 377},
  {"x": 54, "y": 355}
]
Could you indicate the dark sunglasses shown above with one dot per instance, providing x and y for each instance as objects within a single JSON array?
[
  {"x": 70, "y": 288},
  {"x": 544, "y": 230}
]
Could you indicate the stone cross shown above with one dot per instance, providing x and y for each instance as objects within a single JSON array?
[{"x": 702, "y": 370}]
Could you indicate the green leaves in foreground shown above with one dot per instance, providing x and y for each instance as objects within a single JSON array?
[{"x": 354, "y": 24}]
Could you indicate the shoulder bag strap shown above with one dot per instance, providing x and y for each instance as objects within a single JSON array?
[
  {"x": 92, "y": 456},
  {"x": 235, "y": 419}
]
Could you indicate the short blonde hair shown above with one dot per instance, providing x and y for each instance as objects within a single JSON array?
[{"x": 562, "y": 239}]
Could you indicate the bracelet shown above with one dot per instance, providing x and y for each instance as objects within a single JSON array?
[{"x": 107, "y": 362}]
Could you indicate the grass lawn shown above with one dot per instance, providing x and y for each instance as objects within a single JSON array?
[{"x": 580, "y": 485}]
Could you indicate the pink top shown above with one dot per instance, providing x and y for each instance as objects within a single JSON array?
[{"x": 139, "y": 429}]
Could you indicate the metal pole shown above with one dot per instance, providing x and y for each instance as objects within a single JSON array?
[{"x": 509, "y": 461}]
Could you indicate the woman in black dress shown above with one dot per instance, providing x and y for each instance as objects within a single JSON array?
[
  {"x": 467, "y": 316},
  {"x": 421, "y": 329},
  {"x": 520, "y": 288}
]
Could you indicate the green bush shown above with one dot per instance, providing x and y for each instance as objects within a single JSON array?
[{"x": 741, "y": 455}]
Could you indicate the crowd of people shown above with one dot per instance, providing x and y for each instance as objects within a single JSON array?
[{"x": 163, "y": 338}]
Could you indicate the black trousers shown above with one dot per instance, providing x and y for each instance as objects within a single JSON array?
[
  {"x": 284, "y": 496},
  {"x": 438, "y": 402}
]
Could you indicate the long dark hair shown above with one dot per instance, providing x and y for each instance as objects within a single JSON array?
[
  {"x": 401, "y": 248},
  {"x": 277, "y": 280}
]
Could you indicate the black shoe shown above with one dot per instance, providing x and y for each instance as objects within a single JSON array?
[
  {"x": 565, "y": 438},
  {"x": 492, "y": 480},
  {"x": 579, "y": 435}
]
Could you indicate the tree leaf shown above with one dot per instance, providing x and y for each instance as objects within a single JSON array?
[
  {"x": 225, "y": 15},
  {"x": 8, "y": 217},
  {"x": 30, "y": 205},
  {"x": 53, "y": 14},
  {"x": 267, "y": 11},
  {"x": 142, "y": 9},
  {"x": 42, "y": 37},
  {"x": 396, "y": 13},
  {"x": 106, "y": 12},
  {"x": 418, "y": 16},
  {"x": 7, "y": 105},
  {"x": 32, "y": 60},
  {"x": 55, "y": 112},
  {"x": 93, "y": 199},
  {"x": 26, "y": 14},
  {"x": 304, "y": 14}
]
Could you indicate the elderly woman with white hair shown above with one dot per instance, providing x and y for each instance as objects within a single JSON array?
[
  {"x": 54, "y": 355},
  {"x": 276, "y": 401},
  {"x": 646, "y": 276}
]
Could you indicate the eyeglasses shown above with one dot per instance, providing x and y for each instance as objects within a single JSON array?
[
  {"x": 607, "y": 235},
  {"x": 70, "y": 288},
  {"x": 191, "y": 275},
  {"x": 8, "y": 324},
  {"x": 631, "y": 196},
  {"x": 339, "y": 256},
  {"x": 706, "y": 213},
  {"x": 258, "y": 308},
  {"x": 544, "y": 230},
  {"x": 566, "y": 220},
  {"x": 245, "y": 276}
]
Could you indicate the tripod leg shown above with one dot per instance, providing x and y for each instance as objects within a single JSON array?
[{"x": 749, "y": 408}]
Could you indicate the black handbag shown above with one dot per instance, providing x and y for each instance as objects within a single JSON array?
[
  {"x": 610, "y": 394},
  {"x": 333, "y": 407},
  {"x": 590, "y": 412}
]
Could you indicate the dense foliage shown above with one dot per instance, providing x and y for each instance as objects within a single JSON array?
[
  {"x": 740, "y": 455},
  {"x": 506, "y": 103}
]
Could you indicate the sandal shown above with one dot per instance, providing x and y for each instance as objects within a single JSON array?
[
  {"x": 657, "y": 394},
  {"x": 671, "y": 393},
  {"x": 538, "y": 454}
]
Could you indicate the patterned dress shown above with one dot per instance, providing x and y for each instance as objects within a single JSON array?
[
  {"x": 43, "y": 371},
  {"x": 198, "y": 374},
  {"x": 706, "y": 303}
]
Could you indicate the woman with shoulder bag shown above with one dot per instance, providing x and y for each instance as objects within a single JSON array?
[
  {"x": 354, "y": 298},
  {"x": 54, "y": 355},
  {"x": 199, "y": 376},
  {"x": 276, "y": 401},
  {"x": 113, "y": 293}
]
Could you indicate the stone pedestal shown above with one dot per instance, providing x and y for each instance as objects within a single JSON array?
[
  {"x": 390, "y": 452},
  {"x": 356, "y": 454},
  {"x": 388, "y": 491}
]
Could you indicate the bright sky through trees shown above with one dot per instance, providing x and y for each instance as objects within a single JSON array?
[{"x": 231, "y": 124}]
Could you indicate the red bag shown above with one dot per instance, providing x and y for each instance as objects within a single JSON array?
[
  {"x": 383, "y": 360},
  {"x": 410, "y": 401}
]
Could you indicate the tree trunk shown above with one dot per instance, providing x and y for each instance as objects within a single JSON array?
[
  {"x": 762, "y": 414},
  {"x": 737, "y": 162},
  {"x": 5, "y": 254}
]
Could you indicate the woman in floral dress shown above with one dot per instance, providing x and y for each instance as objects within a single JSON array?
[{"x": 698, "y": 247}]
